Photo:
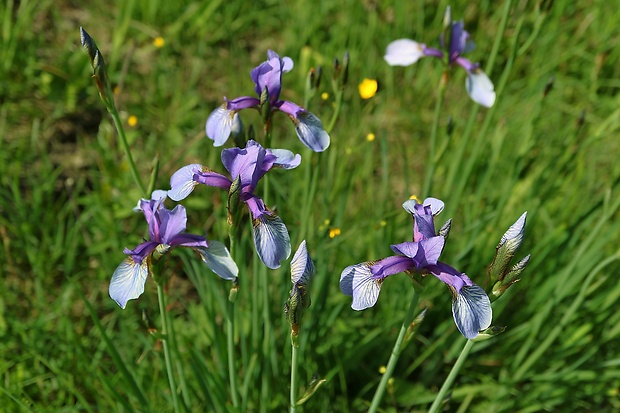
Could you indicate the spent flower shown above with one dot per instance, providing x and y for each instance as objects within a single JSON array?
[
  {"x": 246, "y": 167},
  {"x": 404, "y": 52},
  {"x": 471, "y": 307},
  {"x": 166, "y": 231},
  {"x": 267, "y": 79}
]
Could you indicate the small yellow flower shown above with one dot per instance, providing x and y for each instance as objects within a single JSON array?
[
  {"x": 324, "y": 95},
  {"x": 132, "y": 120},
  {"x": 368, "y": 88},
  {"x": 116, "y": 90},
  {"x": 383, "y": 223},
  {"x": 370, "y": 137},
  {"x": 334, "y": 232},
  {"x": 415, "y": 198},
  {"x": 159, "y": 42},
  {"x": 382, "y": 370}
]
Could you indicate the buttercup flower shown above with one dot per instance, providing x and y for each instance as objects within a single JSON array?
[
  {"x": 268, "y": 83},
  {"x": 471, "y": 307},
  {"x": 404, "y": 52},
  {"x": 247, "y": 165},
  {"x": 166, "y": 231}
]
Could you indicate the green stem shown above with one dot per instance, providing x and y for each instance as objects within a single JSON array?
[
  {"x": 450, "y": 379},
  {"x": 125, "y": 144},
  {"x": 430, "y": 166},
  {"x": 336, "y": 113},
  {"x": 293, "y": 405},
  {"x": 230, "y": 332},
  {"x": 167, "y": 355},
  {"x": 395, "y": 353}
]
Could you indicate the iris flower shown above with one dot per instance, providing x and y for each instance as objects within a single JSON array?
[
  {"x": 302, "y": 272},
  {"x": 166, "y": 231},
  {"x": 247, "y": 165},
  {"x": 471, "y": 307},
  {"x": 268, "y": 83},
  {"x": 404, "y": 52}
]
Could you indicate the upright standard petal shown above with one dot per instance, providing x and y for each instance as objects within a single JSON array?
[
  {"x": 359, "y": 282},
  {"x": 271, "y": 239},
  {"x": 403, "y": 52},
  {"x": 302, "y": 267},
  {"x": 218, "y": 259},
  {"x": 219, "y": 124},
  {"x": 171, "y": 224},
  {"x": 480, "y": 88},
  {"x": 128, "y": 281},
  {"x": 472, "y": 312}
]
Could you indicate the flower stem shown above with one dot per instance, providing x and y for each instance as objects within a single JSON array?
[
  {"x": 450, "y": 379},
  {"x": 166, "y": 345},
  {"x": 395, "y": 353},
  {"x": 430, "y": 166},
  {"x": 230, "y": 332},
  {"x": 294, "y": 347}
]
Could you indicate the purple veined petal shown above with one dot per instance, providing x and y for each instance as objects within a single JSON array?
[
  {"x": 139, "y": 253},
  {"x": 308, "y": 127},
  {"x": 172, "y": 223},
  {"x": 423, "y": 227},
  {"x": 243, "y": 102},
  {"x": 403, "y": 52},
  {"x": 271, "y": 239},
  {"x": 453, "y": 278},
  {"x": 359, "y": 282},
  {"x": 472, "y": 311},
  {"x": 423, "y": 253},
  {"x": 436, "y": 205},
  {"x": 245, "y": 163},
  {"x": 210, "y": 178},
  {"x": 219, "y": 125},
  {"x": 128, "y": 281},
  {"x": 255, "y": 205},
  {"x": 480, "y": 88},
  {"x": 302, "y": 267},
  {"x": 218, "y": 259},
  {"x": 285, "y": 159},
  {"x": 514, "y": 235},
  {"x": 182, "y": 182},
  {"x": 189, "y": 240},
  {"x": 391, "y": 265}
]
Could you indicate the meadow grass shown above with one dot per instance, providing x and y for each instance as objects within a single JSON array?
[{"x": 66, "y": 195}]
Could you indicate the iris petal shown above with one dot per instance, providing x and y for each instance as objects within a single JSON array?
[
  {"x": 182, "y": 182},
  {"x": 403, "y": 52},
  {"x": 310, "y": 131},
  {"x": 219, "y": 125},
  {"x": 472, "y": 311},
  {"x": 302, "y": 267},
  {"x": 128, "y": 281},
  {"x": 358, "y": 281},
  {"x": 480, "y": 88},
  {"x": 271, "y": 239},
  {"x": 218, "y": 259}
]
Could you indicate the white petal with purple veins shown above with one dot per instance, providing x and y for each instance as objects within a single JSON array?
[
  {"x": 219, "y": 125},
  {"x": 403, "y": 52},
  {"x": 310, "y": 131},
  {"x": 480, "y": 88},
  {"x": 128, "y": 281},
  {"x": 302, "y": 267},
  {"x": 357, "y": 281},
  {"x": 218, "y": 259},
  {"x": 472, "y": 311},
  {"x": 271, "y": 240},
  {"x": 182, "y": 182}
]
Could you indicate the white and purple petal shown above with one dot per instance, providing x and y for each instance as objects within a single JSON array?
[
  {"x": 302, "y": 267},
  {"x": 285, "y": 159},
  {"x": 128, "y": 281},
  {"x": 480, "y": 88},
  {"x": 514, "y": 235},
  {"x": 245, "y": 163},
  {"x": 391, "y": 265},
  {"x": 171, "y": 224},
  {"x": 423, "y": 253},
  {"x": 403, "y": 52},
  {"x": 358, "y": 282},
  {"x": 472, "y": 311},
  {"x": 219, "y": 124},
  {"x": 308, "y": 127},
  {"x": 182, "y": 182},
  {"x": 218, "y": 259},
  {"x": 189, "y": 240},
  {"x": 271, "y": 239}
]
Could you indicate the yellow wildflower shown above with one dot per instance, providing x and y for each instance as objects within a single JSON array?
[
  {"x": 370, "y": 137},
  {"x": 368, "y": 88},
  {"x": 334, "y": 232},
  {"x": 324, "y": 95},
  {"x": 132, "y": 121},
  {"x": 159, "y": 42}
]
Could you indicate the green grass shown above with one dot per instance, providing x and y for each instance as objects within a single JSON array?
[{"x": 66, "y": 195}]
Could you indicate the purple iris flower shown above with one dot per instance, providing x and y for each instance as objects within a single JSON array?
[
  {"x": 166, "y": 231},
  {"x": 249, "y": 165},
  {"x": 404, "y": 52},
  {"x": 268, "y": 83},
  {"x": 471, "y": 307}
]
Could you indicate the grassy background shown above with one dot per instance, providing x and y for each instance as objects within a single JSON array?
[{"x": 66, "y": 196}]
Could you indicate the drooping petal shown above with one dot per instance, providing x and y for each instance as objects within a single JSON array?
[
  {"x": 271, "y": 239},
  {"x": 391, "y": 265},
  {"x": 219, "y": 125},
  {"x": 302, "y": 267},
  {"x": 218, "y": 259},
  {"x": 480, "y": 88},
  {"x": 285, "y": 159},
  {"x": 128, "y": 281},
  {"x": 472, "y": 311},
  {"x": 359, "y": 282},
  {"x": 403, "y": 52},
  {"x": 182, "y": 182},
  {"x": 308, "y": 127}
]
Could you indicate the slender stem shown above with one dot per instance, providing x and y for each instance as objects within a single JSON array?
[
  {"x": 167, "y": 355},
  {"x": 450, "y": 379},
  {"x": 125, "y": 144},
  {"x": 230, "y": 332},
  {"x": 395, "y": 353},
  {"x": 293, "y": 405},
  {"x": 430, "y": 166},
  {"x": 336, "y": 112}
]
